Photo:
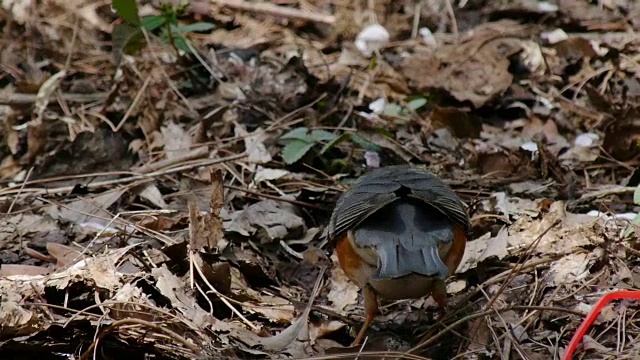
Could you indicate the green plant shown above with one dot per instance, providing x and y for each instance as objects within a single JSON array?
[
  {"x": 128, "y": 37},
  {"x": 636, "y": 220},
  {"x": 413, "y": 104},
  {"x": 298, "y": 142}
]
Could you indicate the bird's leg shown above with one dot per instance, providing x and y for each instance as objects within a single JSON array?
[
  {"x": 370, "y": 310},
  {"x": 439, "y": 295},
  {"x": 439, "y": 292}
]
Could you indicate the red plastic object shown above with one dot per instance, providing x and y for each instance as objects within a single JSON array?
[{"x": 593, "y": 314}]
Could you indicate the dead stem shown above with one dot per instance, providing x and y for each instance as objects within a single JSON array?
[{"x": 113, "y": 327}]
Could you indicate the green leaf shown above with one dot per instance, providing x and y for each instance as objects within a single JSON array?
[
  {"x": 417, "y": 103},
  {"x": 300, "y": 133},
  {"x": 126, "y": 39},
  {"x": 330, "y": 145},
  {"x": 384, "y": 132},
  {"x": 393, "y": 109},
  {"x": 128, "y": 10},
  {"x": 373, "y": 63},
  {"x": 636, "y": 221},
  {"x": 364, "y": 143},
  {"x": 195, "y": 27},
  {"x": 322, "y": 135},
  {"x": 340, "y": 165},
  {"x": 636, "y": 196},
  {"x": 295, "y": 150},
  {"x": 151, "y": 23},
  {"x": 181, "y": 43}
]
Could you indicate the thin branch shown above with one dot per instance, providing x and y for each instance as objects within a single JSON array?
[
  {"x": 275, "y": 10},
  {"x": 150, "y": 176}
]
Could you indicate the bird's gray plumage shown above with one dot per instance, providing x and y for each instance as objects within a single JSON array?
[{"x": 419, "y": 211}]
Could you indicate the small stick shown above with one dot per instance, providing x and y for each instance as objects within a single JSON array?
[
  {"x": 276, "y": 10},
  {"x": 138, "y": 177},
  {"x": 17, "y": 99}
]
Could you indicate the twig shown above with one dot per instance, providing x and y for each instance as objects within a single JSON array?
[
  {"x": 116, "y": 305},
  {"x": 417, "y": 9},
  {"x": 222, "y": 298},
  {"x": 276, "y": 198},
  {"x": 276, "y": 10},
  {"x": 616, "y": 190},
  {"x": 452, "y": 18},
  {"x": 531, "y": 265},
  {"x": 160, "y": 329},
  {"x": 192, "y": 154},
  {"x": 516, "y": 269},
  {"x": 485, "y": 313},
  {"x": 134, "y": 103},
  {"x": 39, "y": 256},
  {"x": 21, "y": 188},
  {"x": 509, "y": 277},
  {"x": 74, "y": 37},
  {"x": 167, "y": 78},
  {"x": 17, "y": 99},
  {"x": 363, "y": 355},
  {"x": 150, "y": 176}
]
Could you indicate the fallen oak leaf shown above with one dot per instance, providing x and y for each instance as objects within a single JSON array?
[{"x": 297, "y": 330}]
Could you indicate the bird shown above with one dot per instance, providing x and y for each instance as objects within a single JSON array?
[{"x": 398, "y": 232}]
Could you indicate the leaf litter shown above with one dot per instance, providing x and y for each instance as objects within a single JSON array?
[{"x": 164, "y": 195}]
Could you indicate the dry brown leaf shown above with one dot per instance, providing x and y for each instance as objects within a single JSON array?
[
  {"x": 268, "y": 221},
  {"x": 499, "y": 164},
  {"x": 218, "y": 274},
  {"x": 476, "y": 70},
  {"x": 254, "y": 145},
  {"x": 88, "y": 11},
  {"x": 388, "y": 144},
  {"x": 571, "y": 268},
  {"x": 461, "y": 124},
  {"x": 17, "y": 320},
  {"x": 20, "y": 269},
  {"x": 64, "y": 255},
  {"x": 23, "y": 226},
  {"x": 298, "y": 330},
  {"x": 129, "y": 303},
  {"x": 276, "y": 309},
  {"x": 36, "y": 140},
  {"x": 217, "y": 201},
  {"x": 254, "y": 266},
  {"x": 99, "y": 272},
  {"x": 383, "y": 81},
  {"x": 342, "y": 292},
  {"x": 457, "y": 286},
  {"x": 159, "y": 222},
  {"x": 177, "y": 141},
  {"x": 206, "y": 232},
  {"x": 88, "y": 209},
  {"x": 483, "y": 248},
  {"x": 89, "y": 152},
  {"x": 510, "y": 206},
  {"x": 591, "y": 15},
  {"x": 252, "y": 33},
  {"x": 173, "y": 288},
  {"x": 151, "y": 193},
  {"x": 480, "y": 335},
  {"x": 575, "y": 231},
  {"x": 621, "y": 139},
  {"x": 324, "y": 328}
]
